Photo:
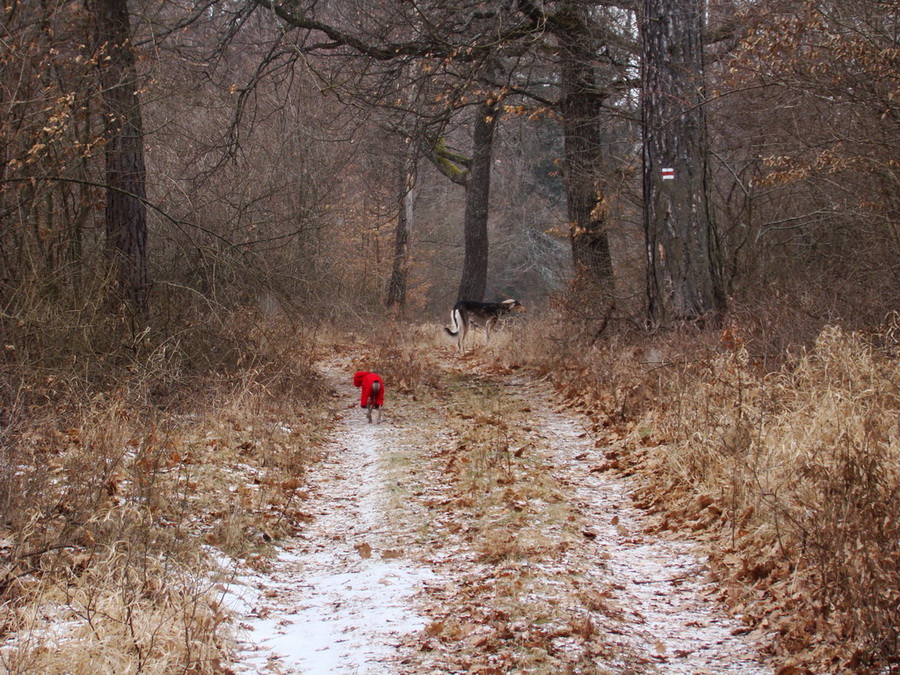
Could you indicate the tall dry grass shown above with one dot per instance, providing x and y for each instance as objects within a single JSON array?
[
  {"x": 403, "y": 353},
  {"x": 129, "y": 468}
]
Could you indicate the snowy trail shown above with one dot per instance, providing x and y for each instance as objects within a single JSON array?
[
  {"x": 346, "y": 596},
  {"x": 338, "y": 597},
  {"x": 670, "y": 618}
]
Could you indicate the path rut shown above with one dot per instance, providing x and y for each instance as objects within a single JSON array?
[
  {"x": 670, "y": 619},
  {"x": 337, "y": 597}
]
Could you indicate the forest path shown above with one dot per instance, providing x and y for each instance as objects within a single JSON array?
[
  {"x": 338, "y": 595},
  {"x": 472, "y": 532}
]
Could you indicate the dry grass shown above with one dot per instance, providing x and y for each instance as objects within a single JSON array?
[
  {"x": 119, "y": 491},
  {"x": 403, "y": 354},
  {"x": 117, "y": 610},
  {"x": 805, "y": 466},
  {"x": 116, "y": 480}
]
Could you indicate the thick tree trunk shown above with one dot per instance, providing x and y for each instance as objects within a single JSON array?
[
  {"x": 126, "y": 215},
  {"x": 580, "y": 106},
  {"x": 399, "y": 281},
  {"x": 684, "y": 280},
  {"x": 478, "y": 189}
]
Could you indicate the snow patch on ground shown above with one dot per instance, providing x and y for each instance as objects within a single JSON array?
[
  {"x": 338, "y": 598},
  {"x": 669, "y": 614}
]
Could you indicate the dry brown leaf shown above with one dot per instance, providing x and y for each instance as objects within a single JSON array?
[{"x": 434, "y": 628}]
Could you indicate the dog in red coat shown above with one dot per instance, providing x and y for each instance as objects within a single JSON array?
[{"x": 372, "y": 392}]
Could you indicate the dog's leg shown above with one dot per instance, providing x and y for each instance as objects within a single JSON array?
[
  {"x": 490, "y": 323},
  {"x": 373, "y": 396},
  {"x": 463, "y": 331},
  {"x": 461, "y": 327},
  {"x": 455, "y": 327}
]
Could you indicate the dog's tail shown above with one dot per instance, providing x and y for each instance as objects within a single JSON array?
[{"x": 455, "y": 322}]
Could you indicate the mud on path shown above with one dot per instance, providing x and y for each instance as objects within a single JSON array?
[{"x": 472, "y": 532}]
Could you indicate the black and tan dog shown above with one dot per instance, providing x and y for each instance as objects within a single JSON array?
[{"x": 468, "y": 313}]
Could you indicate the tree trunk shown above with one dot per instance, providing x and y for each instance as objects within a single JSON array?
[
  {"x": 397, "y": 285},
  {"x": 684, "y": 281},
  {"x": 580, "y": 106},
  {"x": 126, "y": 214},
  {"x": 478, "y": 188}
]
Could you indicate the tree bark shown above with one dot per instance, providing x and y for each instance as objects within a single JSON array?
[
  {"x": 478, "y": 189},
  {"x": 397, "y": 286},
  {"x": 581, "y": 101},
  {"x": 126, "y": 214},
  {"x": 684, "y": 281},
  {"x": 580, "y": 106}
]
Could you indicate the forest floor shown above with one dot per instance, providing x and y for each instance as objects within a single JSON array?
[{"x": 476, "y": 530}]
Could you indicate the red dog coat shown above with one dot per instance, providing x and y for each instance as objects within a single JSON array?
[{"x": 365, "y": 379}]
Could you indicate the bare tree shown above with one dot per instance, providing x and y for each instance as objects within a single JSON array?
[
  {"x": 48, "y": 147},
  {"x": 126, "y": 212},
  {"x": 474, "y": 174},
  {"x": 581, "y": 100},
  {"x": 399, "y": 281},
  {"x": 456, "y": 43},
  {"x": 805, "y": 143},
  {"x": 478, "y": 189}
]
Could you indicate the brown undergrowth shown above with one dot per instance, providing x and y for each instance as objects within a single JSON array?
[
  {"x": 791, "y": 477},
  {"x": 118, "y": 492},
  {"x": 124, "y": 488}
]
